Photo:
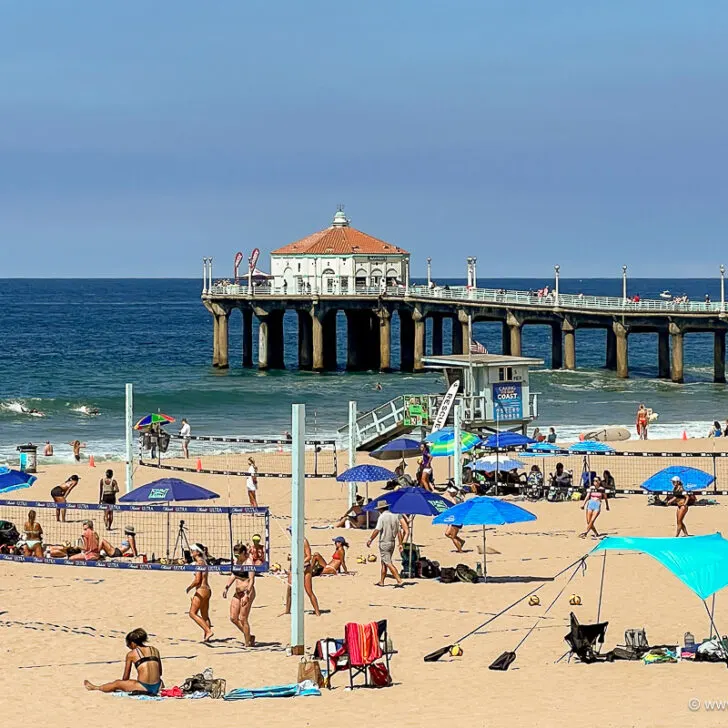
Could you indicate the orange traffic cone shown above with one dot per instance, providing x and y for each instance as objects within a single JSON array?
[
  {"x": 685, "y": 435},
  {"x": 91, "y": 461},
  {"x": 199, "y": 465}
]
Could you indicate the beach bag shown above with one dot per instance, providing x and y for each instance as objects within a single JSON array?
[
  {"x": 379, "y": 675},
  {"x": 426, "y": 569},
  {"x": 8, "y": 533},
  {"x": 465, "y": 574},
  {"x": 310, "y": 670},
  {"x": 448, "y": 575},
  {"x": 503, "y": 661}
]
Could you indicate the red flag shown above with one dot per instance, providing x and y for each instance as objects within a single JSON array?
[{"x": 238, "y": 261}]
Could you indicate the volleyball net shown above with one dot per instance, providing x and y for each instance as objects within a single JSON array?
[
  {"x": 156, "y": 537},
  {"x": 271, "y": 457}
]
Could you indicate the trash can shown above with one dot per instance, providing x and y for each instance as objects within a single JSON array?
[{"x": 28, "y": 458}]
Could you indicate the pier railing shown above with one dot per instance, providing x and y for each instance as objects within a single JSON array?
[{"x": 520, "y": 299}]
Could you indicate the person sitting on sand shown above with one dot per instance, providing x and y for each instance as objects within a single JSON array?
[
  {"x": 355, "y": 516},
  {"x": 608, "y": 480},
  {"x": 48, "y": 449},
  {"x": 551, "y": 439},
  {"x": 128, "y": 545},
  {"x": 683, "y": 500},
  {"x": 244, "y": 596},
  {"x": 561, "y": 478},
  {"x": 307, "y": 579},
  {"x": 33, "y": 536},
  {"x": 257, "y": 550},
  {"x": 148, "y": 664},
  {"x": 715, "y": 430},
  {"x": 92, "y": 545},
  {"x": 200, "y": 606},
  {"x": 595, "y": 496},
  {"x": 60, "y": 495},
  {"x": 338, "y": 559}
]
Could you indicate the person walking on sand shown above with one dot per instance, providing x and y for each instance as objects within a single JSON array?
[
  {"x": 592, "y": 505},
  {"x": 184, "y": 433},
  {"x": 307, "y": 579},
  {"x": 643, "y": 421},
  {"x": 244, "y": 596},
  {"x": 108, "y": 488},
  {"x": 60, "y": 495},
  {"x": 251, "y": 483},
  {"x": 200, "y": 604},
  {"x": 389, "y": 532},
  {"x": 148, "y": 664},
  {"x": 683, "y": 500}
]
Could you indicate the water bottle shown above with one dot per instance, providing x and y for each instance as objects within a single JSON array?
[
  {"x": 689, "y": 639},
  {"x": 207, "y": 673},
  {"x": 479, "y": 570}
]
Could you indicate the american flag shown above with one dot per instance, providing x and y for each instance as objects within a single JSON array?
[{"x": 477, "y": 348}]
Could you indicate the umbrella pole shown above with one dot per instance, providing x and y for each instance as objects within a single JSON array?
[
  {"x": 717, "y": 633},
  {"x": 412, "y": 540},
  {"x": 168, "y": 534},
  {"x": 485, "y": 568}
]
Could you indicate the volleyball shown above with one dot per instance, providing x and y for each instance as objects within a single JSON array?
[
  {"x": 360, "y": 559},
  {"x": 371, "y": 558},
  {"x": 456, "y": 651},
  {"x": 575, "y": 600},
  {"x": 533, "y": 600}
]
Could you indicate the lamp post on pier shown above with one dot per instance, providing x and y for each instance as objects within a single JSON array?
[
  {"x": 475, "y": 275},
  {"x": 624, "y": 283},
  {"x": 204, "y": 275},
  {"x": 469, "y": 262},
  {"x": 722, "y": 288},
  {"x": 429, "y": 272},
  {"x": 557, "y": 268}
]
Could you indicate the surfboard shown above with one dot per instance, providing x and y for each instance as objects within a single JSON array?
[
  {"x": 608, "y": 434},
  {"x": 445, "y": 406}
]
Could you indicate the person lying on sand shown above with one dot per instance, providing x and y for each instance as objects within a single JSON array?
[
  {"x": 338, "y": 559},
  {"x": 148, "y": 664}
]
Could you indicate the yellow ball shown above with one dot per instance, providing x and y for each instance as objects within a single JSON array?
[
  {"x": 533, "y": 600},
  {"x": 456, "y": 651}
]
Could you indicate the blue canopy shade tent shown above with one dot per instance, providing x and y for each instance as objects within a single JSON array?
[
  {"x": 484, "y": 511},
  {"x": 14, "y": 480},
  {"x": 691, "y": 478},
  {"x": 700, "y": 562}
]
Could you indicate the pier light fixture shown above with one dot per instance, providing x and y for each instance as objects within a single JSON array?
[
  {"x": 469, "y": 260},
  {"x": 429, "y": 272},
  {"x": 204, "y": 276},
  {"x": 557, "y": 269},
  {"x": 475, "y": 274},
  {"x": 624, "y": 282},
  {"x": 722, "y": 287}
]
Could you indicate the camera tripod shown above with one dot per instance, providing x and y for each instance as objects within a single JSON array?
[{"x": 182, "y": 543}]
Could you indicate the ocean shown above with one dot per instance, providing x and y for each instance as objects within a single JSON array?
[{"x": 73, "y": 344}]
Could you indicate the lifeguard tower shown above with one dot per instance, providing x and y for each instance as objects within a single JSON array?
[{"x": 493, "y": 389}]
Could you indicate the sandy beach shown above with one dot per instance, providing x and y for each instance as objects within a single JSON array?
[{"x": 60, "y": 625}]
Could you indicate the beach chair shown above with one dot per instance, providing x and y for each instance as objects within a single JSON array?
[
  {"x": 363, "y": 646},
  {"x": 585, "y": 641}
]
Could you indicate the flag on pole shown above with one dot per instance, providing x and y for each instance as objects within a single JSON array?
[{"x": 477, "y": 348}]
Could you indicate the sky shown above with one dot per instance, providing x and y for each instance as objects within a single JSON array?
[{"x": 139, "y": 136}]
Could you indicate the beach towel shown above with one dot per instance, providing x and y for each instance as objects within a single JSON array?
[
  {"x": 304, "y": 689},
  {"x": 362, "y": 643}
]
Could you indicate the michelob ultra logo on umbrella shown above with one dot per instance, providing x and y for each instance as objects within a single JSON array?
[{"x": 158, "y": 493}]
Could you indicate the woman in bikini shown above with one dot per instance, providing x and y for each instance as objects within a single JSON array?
[
  {"x": 244, "y": 596},
  {"x": 33, "y": 536},
  {"x": 683, "y": 500},
  {"x": 257, "y": 550},
  {"x": 307, "y": 579},
  {"x": 338, "y": 559},
  {"x": 147, "y": 662},
  {"x": 643, "y": 420},
  {"x": 60, "y": 495},
  {"x": 596, "y": 495},
  {"x": 200, "y": 606}
]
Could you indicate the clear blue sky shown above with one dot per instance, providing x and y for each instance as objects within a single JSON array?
[{"x": 138, "y": 136}]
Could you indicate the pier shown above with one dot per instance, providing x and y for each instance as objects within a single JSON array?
[{"x": 369, "y": 312}]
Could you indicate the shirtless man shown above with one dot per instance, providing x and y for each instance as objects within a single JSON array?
[{"x": 48, "y": 449}]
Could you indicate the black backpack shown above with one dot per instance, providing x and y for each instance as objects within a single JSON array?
[
  {"x": 9, "y": 535},
  {"x": 465, "y": 574},
  {"x": 448, "y": 575},
  {"x": 427, "y": 569}
]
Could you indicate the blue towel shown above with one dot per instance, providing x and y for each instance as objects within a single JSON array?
[{"x": 274, "y": 691}]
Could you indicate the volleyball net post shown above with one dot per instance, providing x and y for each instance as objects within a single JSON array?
[
  {"x": 129, "y": 417},
  {"x": 298, "y": 502}
]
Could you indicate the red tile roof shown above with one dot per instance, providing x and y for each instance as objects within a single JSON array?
[{"x": 340, "y": 240}]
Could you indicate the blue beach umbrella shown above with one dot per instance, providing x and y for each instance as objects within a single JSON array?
[
  {"x": 399, "y": 449},
  {"x": 484, "y": 511},
  {"x": 14, "y": 480},
  {"x": 541, "y": 449},
  {"x": 691, "y": 478},
  {"x": 507, "y": 440},
  {"x": 591, "y": 447},
  {"x": 366, "y": 474},
  {"x": 167, "y": 489}
]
